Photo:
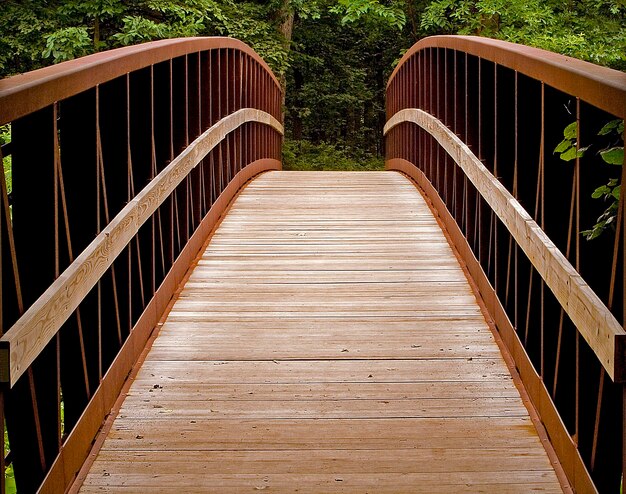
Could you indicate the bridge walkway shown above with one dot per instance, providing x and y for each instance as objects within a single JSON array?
[{"x": 327, "y": 340}]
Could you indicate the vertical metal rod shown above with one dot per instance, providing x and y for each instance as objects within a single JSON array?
[
  {"x": 172, "y": 254},
  {"x": 3, "y": 466},
  {"x": 515, "y": 187},
  {"x": 570, "y": 228},
  {"x": 542, "y": 225},
  {"x": 131, "y": 195},
  {"x": 129, "y": 179},
  {"x": 2, "y": 451},
  {"x": 105, "y": 203},
  {"x": 465, "y": 130},
  {"x": 33, "y": 397},
  {"x": 57, "y": 268},
  {"x": 624, "y": 408},
  {"x": 612, "y": 283},
  {"x": 98, "y": 229},
  {"x": 187, "y": 194},
  {"x": 622, "y": 207},
  {"x": 153, "y": 173},
  {"x": 241, "y": 105},
  {"x": 70, "y": 253},
  {"x": 577, "y": 243},
  {"x": 493, "y": 222}
]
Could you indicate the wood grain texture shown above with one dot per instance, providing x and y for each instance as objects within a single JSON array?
[
  {"x": 291, "y": 363},
  {"x": 78, "y": 443},
  {"x": 23, "y": 342},
  {"x": 594, "y": 321}
]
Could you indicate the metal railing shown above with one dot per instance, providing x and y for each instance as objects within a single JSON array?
[
  {"x": 122, "y": 163},
  {"x": 475, "y": 122}
]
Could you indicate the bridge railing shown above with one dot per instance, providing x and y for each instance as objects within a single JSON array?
[
  {"x": 476, "y": 123},
  {"x": 121, "y": 164}
]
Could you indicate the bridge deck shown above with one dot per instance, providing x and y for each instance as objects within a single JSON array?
[{"x": 327, "y": 341}]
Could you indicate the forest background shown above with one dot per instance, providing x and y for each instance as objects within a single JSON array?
[{"x": 333, "y": 56}]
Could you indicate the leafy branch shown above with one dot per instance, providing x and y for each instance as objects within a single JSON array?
[{"x": 612, "y": 154}]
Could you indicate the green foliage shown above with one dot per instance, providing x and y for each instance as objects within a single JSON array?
[
  {"x": 34, "y": 33},
  {"x": 593, "y": 30},
  {"x": 9, "y": 477},
  {"x": 336, "y": 82},
  {"x": 567, "y": 148},
  {"x": 612, "y": 154},
  {"x": 67, "y": 43},
  {"x": 303, "y": 155},
  {"x": 5, "y": 138},
  {"x": 354, "y": 10}
]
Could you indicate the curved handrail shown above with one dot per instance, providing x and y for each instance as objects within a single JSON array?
[
  {"x": 599, "y": 86},
  {"x": 477, "y": 122},
  {"x": 594, "y": 320},
  {"x": 26, "y": 93}
]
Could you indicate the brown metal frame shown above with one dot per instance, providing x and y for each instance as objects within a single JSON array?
[
  {"x": 509, "y": 105},
  {"x": 140, "y": 148}
]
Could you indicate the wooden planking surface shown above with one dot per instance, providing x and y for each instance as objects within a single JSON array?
[{"x": 327, "y": 341}]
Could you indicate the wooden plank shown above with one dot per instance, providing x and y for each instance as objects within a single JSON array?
[
  {"x": 21, "y": 344},
  {"x": 405, "y": 461},
  {"x": 396, "y": 434},
  {"x": 364, "y": 371},
  {"x": 156, "y": 408},
  {"x": 323, "y": 391},
  {"x": 593, "y": 320},
  {"x": 302, "y": 364}
]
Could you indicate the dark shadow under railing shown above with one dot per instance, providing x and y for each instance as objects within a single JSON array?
[
  {"x": 475, "y": 121},
  {"x": 122, "y": 163}
]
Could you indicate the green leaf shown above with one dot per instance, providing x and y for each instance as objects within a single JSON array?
[
  {"x": 569, "y": 155},
  {"x": 563, "y": 146},
  {"x": 600, "y": 191},
  {"x": 609, "y": 127},
  {"x": 616, "y": 192},
  {"x": 571, "y": 131},
  {"x": 613, "y": 156}
]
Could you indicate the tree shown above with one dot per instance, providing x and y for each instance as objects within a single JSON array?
[{"x": 593, "y": 30}]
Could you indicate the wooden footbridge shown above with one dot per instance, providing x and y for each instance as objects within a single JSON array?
[{"x": 180, "y": 314}]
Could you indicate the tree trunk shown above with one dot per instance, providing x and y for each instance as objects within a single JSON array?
[{"x": 287, "y": 16}]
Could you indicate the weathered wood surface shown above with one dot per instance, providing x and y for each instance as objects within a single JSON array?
[
  {"x": 327, "y": 341},
  {"x": 594, "y": 321}
]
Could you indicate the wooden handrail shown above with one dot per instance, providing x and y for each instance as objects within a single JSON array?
[
  {"x": 595, "y": 322},
  {"x": 27, "y": 338}
]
